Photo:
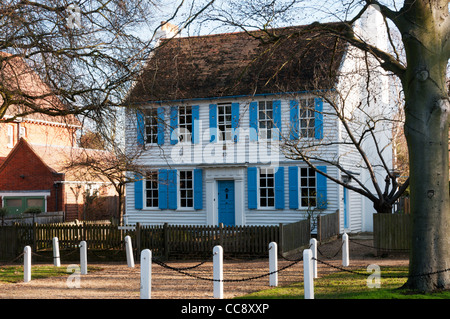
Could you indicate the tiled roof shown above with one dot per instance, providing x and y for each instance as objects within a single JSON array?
[
  {"x": 61, "y": 158},
  {"x": 27, "y": 87},
  {"x": 233, "y": 64}
]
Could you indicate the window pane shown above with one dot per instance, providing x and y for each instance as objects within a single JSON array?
[
  {"x": 151, "y": 126},
  {"x": 266, "y": 188},
  {"x": 307, "y": 117},
  {"x": 151, "y": 189},
  {"x": 35, "y": 202},
  {"x": 307, "y": 187},
  {"x": 262, "y": 182},
  {"x": 186, "y": 189},
  {"x": 16, "y": 202},
  {"x": 263, "y": 202},
  {"x": 185, "y": 123}
]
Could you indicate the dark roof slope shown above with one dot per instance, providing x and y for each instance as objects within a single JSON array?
[{"x": 290, "y": 59}]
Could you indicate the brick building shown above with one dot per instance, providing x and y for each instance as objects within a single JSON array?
[
  {"x": 35, "y": 151},
  {"x": 38, "y": 176}
]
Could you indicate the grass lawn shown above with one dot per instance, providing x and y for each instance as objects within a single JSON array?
[
  {"x": 345, "y": 285},
  {"x": 13, "y": 274}
]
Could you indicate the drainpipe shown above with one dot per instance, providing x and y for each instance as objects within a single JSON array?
[{"x": 56, "y": 185}]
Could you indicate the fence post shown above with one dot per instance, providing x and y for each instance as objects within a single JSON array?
[
  {"x": 129, "y": 251},
  {"x": 319, "y": 228},
  {"x": 280, "y": 238},
  {"x": 308, "y": 281},
  {"x": 83, "y": 257},
  {"x": 313, "y": 244},
  {"x": 166, "y": 240},
  {"x": 138, "y": 237},
  {"x": 218, "y": 271},
  {"x": 221, "y": 234},
  {"x": 273, "y": 264},
  {"x": 146, "y": 274},
  {"x": 27, "y": 264},
  {"x": 345, "y": 252},
  {"x": 56, "y": 256}
]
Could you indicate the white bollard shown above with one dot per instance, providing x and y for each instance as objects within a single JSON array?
[
  {"x": 83, "y": 258},
  {"x": 308, "y": 280},
  {"x": 129, "y": 252},
  {"x": 27, "y": 264},
  {"x": 218, "y": 272},
  {"x": 56, "y": 256},
  {"x": 345, "y": 252},
  {"x": 313, "y": 243},
  {"x": 146, "y": 274},
  {"x": 273, "y": 264}
]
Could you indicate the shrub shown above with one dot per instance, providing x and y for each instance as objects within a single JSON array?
[{"x": 33, "y": 210}]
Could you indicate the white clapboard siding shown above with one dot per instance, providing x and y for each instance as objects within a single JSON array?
[
  {"x": 160, "y": 156},
  {"x": 196, "y": 154}
]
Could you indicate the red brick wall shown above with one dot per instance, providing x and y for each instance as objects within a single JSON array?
[{"x": 25, "y": 171}]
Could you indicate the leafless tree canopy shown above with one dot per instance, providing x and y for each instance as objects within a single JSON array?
[{"x": 85, "y": 53}]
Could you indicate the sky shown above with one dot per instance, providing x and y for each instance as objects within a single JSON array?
[{"x": 300, "y": 13}]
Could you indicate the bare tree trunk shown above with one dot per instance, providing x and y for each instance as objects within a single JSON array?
[
  {"x": 427, "y": 134},
  {"x": 426, "y": 131}
]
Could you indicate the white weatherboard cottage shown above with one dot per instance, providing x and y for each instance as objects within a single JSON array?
[{"x": 213, "y": 114}]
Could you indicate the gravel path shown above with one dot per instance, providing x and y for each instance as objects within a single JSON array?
[{"x": 117, "y": 281}]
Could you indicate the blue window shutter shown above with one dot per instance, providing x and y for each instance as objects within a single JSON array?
[
  {"x": 198, "y": 189},
  {"x": 253, "y": 110},
  {"x": 195, "y": 124},
  {"x": 235, "y": 121},
  {"x": 140, "y": 126},
  {"x": 162, "y": 188},
  {"x": 213, "y": 122},
  {"x": 173, "y": 124},
  {"x": 172, "y": 188},
  {"x": 160, "y": 126},
  {"x": 252, "y": 185},
  {"x": 279, "y": 188},
  {"x": 138, "y": 192},
  {"x": 293, "y": 187},
  {"x": 318, "y": 129},
  {"x": 277, "y": 119},
  {"x": 321, "y": 188},
  {"x": 294, "y": 119}
]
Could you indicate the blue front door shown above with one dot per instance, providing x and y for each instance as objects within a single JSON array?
[{"x": 226, "y": 203}]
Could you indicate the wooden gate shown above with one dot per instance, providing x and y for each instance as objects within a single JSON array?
[{"x": 9, "y": 243}]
